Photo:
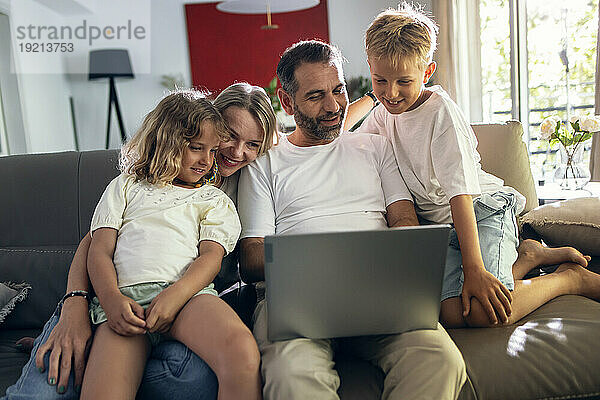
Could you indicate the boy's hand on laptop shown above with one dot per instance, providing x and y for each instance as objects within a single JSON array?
[{"x": 493, "y": 296}]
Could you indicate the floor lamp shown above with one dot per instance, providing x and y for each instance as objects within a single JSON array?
[{"x": 111, "y": 64}]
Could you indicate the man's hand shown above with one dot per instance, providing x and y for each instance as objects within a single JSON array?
[
  {"x": 124, "y": 315},
  {"x": 163, "y": 310},
  {"x": 68, "y": 344},
  {"x": 494, "y": 297}
]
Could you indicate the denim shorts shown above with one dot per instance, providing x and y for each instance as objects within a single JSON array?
[
  {"x": 143, "y": 294},
  {"x": 498, "y": 239}
]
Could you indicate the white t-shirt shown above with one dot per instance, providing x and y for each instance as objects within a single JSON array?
[
  {"x": 229, "y": 185},
  {"x": 340, "y": 186},
  {"x": 436, "y": 150},
  {"x": 159, "y": 228}
]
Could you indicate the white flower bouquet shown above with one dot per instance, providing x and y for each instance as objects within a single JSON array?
[
  {"x": 582, "y": 129},
  {"x": 571, "y": 173}
]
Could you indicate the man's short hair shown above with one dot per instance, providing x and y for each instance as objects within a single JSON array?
[
  {"x": 309, "y": 51},
  {"x": 405, "y": 35}
]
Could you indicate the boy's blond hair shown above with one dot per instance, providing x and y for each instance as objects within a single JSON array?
[
  {"x": 155, "y": 152},
  {"x": 402, "y": 36}
]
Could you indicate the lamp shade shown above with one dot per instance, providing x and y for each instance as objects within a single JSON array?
[
  {"x": 110, "y": 63},
  {"x": 260, "y": 6}
]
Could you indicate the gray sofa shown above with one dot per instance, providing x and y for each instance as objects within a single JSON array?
[{"x": 46, "y": 201}]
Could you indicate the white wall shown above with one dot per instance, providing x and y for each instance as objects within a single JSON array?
[
  {"x": 46, "y": 97},
  {"x": 348, "y": 21},
  {"x": 168, "y": 55}
]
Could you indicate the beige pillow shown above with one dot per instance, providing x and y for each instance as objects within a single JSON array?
[
  {"x": 574, "y": 222},
  {"x": 504, "y": 154}
]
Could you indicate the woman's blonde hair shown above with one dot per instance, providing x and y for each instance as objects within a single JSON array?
[
  {"x": 405, "y": 35},
  {"x": 155, "y": 152},
  {"x": 255, "y": 100}
]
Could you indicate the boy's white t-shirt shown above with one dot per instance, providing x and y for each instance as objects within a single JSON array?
[
  {"x": 159, "y": 228},
  {"x": 340, "y": 186},
  {"x": 436, "y": 151}
]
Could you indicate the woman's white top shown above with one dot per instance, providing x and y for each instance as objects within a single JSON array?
[{"x": 160, "y": 227}]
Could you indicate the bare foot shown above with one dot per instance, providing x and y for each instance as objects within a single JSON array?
[
  {"x": 585, "y": 282},
  {"x": 535, "y": 252}
]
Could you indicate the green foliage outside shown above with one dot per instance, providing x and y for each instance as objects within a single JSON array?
[
  {"x": 552, "y": 26},
  {"x": 271, "y": 90}
]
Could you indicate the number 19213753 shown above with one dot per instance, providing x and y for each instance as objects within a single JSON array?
[{"x": 46, "y": 47}]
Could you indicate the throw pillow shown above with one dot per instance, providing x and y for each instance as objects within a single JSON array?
[
  {"x": 10, "y": 295},
  {"x": 574, "y": 222}
]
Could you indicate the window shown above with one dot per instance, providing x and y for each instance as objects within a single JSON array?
[
  {"x": 3, "y": 142},
  {"x": 538, "y": 58},
  {"x": 12, "y": 132}
]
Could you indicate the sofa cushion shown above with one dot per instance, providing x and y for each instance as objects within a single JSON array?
[
  {"x": 10, "y": 294},
  {"x": 551, "y": 353},
  {"x": 38, "y": 206},
  {"x": 574, "y": 222},
  {"x": 96, "y": 170},
  {"x": 504, "y": 154},
  {"x": 45, "y": 269},
  {"x": 12, "y": 359}
]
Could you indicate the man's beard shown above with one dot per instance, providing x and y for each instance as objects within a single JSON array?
[{"x": 313, "y": 128}]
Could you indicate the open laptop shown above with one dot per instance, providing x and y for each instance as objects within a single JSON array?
[{"x": 341, "y": 284}]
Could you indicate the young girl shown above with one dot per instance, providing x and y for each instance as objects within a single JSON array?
[{"x": 159, "y": 234}]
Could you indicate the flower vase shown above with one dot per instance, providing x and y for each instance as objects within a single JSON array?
[{"x": 572, "y": 173}]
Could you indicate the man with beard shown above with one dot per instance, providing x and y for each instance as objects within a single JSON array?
[{"x": 317, "y": 180}]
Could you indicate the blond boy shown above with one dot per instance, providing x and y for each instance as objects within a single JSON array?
[{"x": 436, "y": 152}]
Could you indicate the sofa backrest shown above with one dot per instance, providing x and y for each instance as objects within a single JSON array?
[
  {"x": 46, "y": 203},
  {"x": 504, "y": 154}
]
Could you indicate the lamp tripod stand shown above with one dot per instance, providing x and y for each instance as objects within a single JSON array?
[{"x": 114, "y": 99}]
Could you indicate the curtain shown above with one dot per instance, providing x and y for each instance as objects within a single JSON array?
[
  {"x": 458, "y": 55},
  {"x": 595, "y": 156}
]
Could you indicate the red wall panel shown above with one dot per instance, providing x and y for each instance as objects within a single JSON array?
[{"x": 225, "y": 48}]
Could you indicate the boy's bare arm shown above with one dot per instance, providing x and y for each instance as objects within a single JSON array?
[
  {"x": 164, "y": 308},
  {"x": 252, "y": 259},
  {"x": 401, "y": 213},
  {"x": 356, "y": 110},
  {"x": 478, "y": 283}
]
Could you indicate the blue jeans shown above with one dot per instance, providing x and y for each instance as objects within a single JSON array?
[
  {"x": 498, "y": 239},
  {"x": 172, "y": 372}
]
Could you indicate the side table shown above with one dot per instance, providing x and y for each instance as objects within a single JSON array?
[{"x": 552, "y": 192}]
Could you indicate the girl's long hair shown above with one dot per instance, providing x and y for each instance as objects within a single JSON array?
[{"x": 155, "y": 152}]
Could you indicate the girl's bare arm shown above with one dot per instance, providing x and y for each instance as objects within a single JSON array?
[
  {"x": 124, "y": 315},
  {"x": 164, "y": 308}
]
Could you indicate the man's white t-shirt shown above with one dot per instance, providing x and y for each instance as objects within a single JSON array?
[
  {"x": 436, "y": 150},
  {"x": 340, "y": 186},
  {"x": 159, "y": 228}
]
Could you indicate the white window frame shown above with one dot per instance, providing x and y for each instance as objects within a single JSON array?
[{"x": 519, "y": 85}]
